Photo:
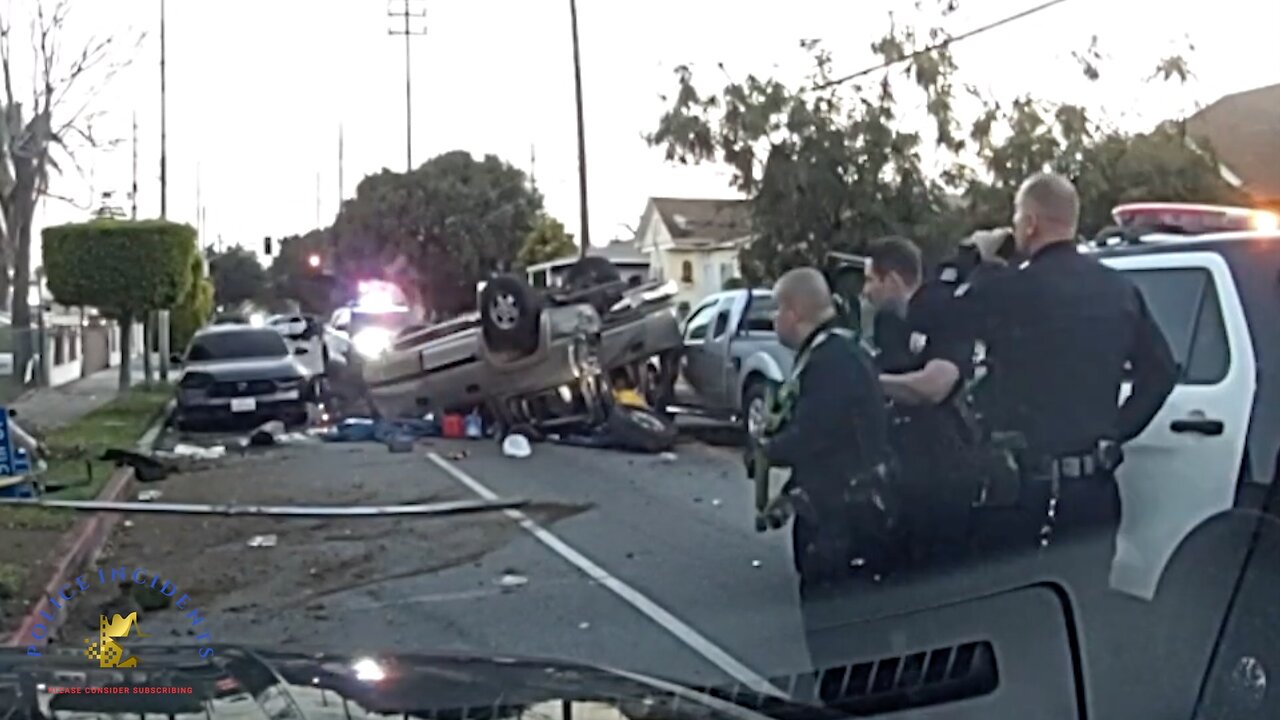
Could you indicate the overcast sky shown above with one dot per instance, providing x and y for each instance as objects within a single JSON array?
[{"x": 257, "y": 89}]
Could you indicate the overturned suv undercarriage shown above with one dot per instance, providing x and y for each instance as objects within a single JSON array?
[{"x": 543, "y": 361}]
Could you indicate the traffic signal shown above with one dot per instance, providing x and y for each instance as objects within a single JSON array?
[
  {"x": 266, "y": 246},
  {"x": 313, "y": 260}
]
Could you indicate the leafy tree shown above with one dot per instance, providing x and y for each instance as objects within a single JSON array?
[
  {"x": 443, "y": 227},
  {"x": 238, "y": 277},
  {"x": 830, "y": 165},
  {"x": 291, "y": 276},
  {"x": 548, "y": 241},
  {"x": 36, "y": 130},
  {"x": 195, "y": 307},
  {"x": 125, "y": 269}
]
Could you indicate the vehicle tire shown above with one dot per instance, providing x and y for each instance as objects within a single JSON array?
[
  {"x": 753, "y": 403},
  {"x": 595, "y": 272},
  {"x": 639, "y": 430},
  {"x": 510, "y": 311}
]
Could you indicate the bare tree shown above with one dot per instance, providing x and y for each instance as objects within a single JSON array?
[{"x": 54, "y": 122}]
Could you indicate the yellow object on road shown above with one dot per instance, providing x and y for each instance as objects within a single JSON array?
[{"x": 630, "y": 398}]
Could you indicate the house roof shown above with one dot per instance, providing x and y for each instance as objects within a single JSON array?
[
  {"x": 694, "y": 222},
  {"x": 1244, "y": 131}
]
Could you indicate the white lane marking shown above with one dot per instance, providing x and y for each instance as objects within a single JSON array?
[{"x": 692, "y": 639}]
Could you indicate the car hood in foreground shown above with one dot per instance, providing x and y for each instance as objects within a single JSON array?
[
  {"x": 256, "y": 684},
  {"x": 249, "y": 368}
]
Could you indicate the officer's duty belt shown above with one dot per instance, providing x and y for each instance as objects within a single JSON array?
[{"x": 1074, "y": 467}]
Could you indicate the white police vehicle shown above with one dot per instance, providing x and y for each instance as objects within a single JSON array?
[{"x": 1199, "y": 532}]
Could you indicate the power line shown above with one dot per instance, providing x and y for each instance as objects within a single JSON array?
[{"x": 936, "y": 46}]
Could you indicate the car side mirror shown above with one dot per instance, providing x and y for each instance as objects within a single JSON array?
[
  {"x": 300, "y": 351},
  {"x": 175, "y": 359}
]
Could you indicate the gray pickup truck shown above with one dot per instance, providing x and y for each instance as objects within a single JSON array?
[{"x": 732, "y": 355}]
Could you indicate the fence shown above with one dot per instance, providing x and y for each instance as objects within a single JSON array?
[{"x": 63, "y": 349}]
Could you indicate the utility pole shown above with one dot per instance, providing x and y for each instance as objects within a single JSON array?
[
  {"x": 409, "y": 31},
  {"x": 164, "y": 139},
  {"x": 133, "y": 193},
  {"x": 533, "y": 168},
  {"x": 199, "y": 209},
  {"x": 582, "y": 137},
  {"x": 342, "y": 188}
]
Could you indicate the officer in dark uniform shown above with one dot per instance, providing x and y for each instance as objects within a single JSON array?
[
  {"x": 835, "y": 440},
  {"x": 1061, "y": 334},
  {"x": 923, "y": 378}
]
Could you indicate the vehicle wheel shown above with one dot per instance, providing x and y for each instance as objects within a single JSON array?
[
  {"x": 639, "y": 430},
  {"x": 754, "y": 411},
  {"x": 595, "y": 272},
  {"x": 510, "y": 311}
]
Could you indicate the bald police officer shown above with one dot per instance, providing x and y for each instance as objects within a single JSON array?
[{"x": 1061, "y": 334}]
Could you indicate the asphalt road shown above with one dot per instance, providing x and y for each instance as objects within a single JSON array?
[{"x": 631, "y": 561}]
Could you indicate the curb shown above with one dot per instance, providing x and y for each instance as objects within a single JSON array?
[{"x": 80, "y": 546}]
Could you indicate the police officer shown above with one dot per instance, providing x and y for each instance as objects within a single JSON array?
[
  {"x": 1060, "y": 333},
  {"x": 834, "y": 439},
  {"x": 923, "y": 378}
]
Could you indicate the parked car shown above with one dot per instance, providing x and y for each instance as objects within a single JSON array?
[
  {"x": 533, "y": 358},
  {"x": 241, "y": 373}
]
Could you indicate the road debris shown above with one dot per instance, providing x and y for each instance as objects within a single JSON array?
[
  {"x": 199, "y": 452},
  {"x": 145, "y": 468},
  {"x": 455, "y": 507},
  {"x": 458, "y": 455},
  {"x": 516, "y": 445},
  {"x": 512, "y": 580},
  {"x": 263, "y": 541},
  {"x": 149, "y": 495},
  {"x": 668, "y": 456}
]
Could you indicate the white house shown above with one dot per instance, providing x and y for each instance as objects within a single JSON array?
[{"x": 694, "y": 242}]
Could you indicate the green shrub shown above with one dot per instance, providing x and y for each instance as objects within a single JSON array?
[{"x": 124, "y": 268}]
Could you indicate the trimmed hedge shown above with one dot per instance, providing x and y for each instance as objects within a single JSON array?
[
  {"x": 123, "y": 268},
  {"x": 193, "y": 311}
]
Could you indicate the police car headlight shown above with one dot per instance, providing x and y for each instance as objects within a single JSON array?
[{"x": 372, "y": 342}]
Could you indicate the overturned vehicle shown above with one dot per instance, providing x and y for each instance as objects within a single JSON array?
[{"x": 543, "y": 360}]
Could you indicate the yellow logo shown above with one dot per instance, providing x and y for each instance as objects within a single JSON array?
[{"x": 109, "y": 653}]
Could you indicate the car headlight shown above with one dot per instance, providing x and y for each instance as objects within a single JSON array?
[
  {"x": 372, "y": 342},
  {"x": 195, "y": 381}
]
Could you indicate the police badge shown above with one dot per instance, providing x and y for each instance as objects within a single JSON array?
[{"x": 917, "y": 342}]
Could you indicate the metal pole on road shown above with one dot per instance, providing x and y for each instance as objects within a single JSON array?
[
  {"x": 584, "y": 219},
  {"x": 407, "y": 15}
]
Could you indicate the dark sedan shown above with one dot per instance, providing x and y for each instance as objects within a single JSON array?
[{"x": 241, "y": 374}]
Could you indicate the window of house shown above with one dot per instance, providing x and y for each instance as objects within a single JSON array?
[{"x": 686, "y": 271}]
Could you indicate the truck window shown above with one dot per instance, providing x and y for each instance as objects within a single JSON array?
[
  {"x": 700, "y": 322},
  {"x": 760, "y": 314},
  {"x": 1184, "y": 302},
  {"x": 722, "y": 324}
]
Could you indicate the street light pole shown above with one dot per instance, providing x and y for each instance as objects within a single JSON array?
[{"x": 582, "y": 137}]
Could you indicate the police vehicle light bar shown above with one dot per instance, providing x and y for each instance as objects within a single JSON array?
[{"x": 1193, "y": 219}]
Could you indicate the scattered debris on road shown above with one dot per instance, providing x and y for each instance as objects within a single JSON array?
[
  {"x": 513, "y": 580},
  {"x": 458, "y": 455},
  {"x": 145, "y": 468},
  {"x": 146, "y": 497},
  {"x": 199, "y": 452},
  {"x": 667, "y": 456},
  {"x": 263, "y": 541},
  {"x": 517, "y": 446}
]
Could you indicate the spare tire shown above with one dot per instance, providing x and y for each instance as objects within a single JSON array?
[
  {"x": 510, "y": 312},
  {"x": 639, "y": 430}
]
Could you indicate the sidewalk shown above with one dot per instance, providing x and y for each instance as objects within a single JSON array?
[{"x": 49, "y": 408}]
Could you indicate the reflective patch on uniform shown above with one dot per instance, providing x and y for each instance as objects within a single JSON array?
[
  {"x": 949, "y": 275},
  {"x": 1024, "y": 264},
  {"x": 979, "y": 352},
  {"x": 917, "y": 342},
  {"x": 962, "y": 289}
]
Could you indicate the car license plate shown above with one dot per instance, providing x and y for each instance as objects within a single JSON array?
[{"x": 241, "y": 405}]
